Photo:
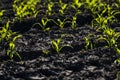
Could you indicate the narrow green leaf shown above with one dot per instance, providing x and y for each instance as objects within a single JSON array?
[
  {"x": 55, "y": 45},
  {"x": 16, "y": 37},
  {"x": 118, "y": 51},
  {"x": 11, "y": 45}
]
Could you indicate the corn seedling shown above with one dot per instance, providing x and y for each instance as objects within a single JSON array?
[
  {"x": 73, "y": 20},
  {"x": 61, "y": 23},
  {"x": 63, "y": 7},
  {"x": 112, "y": 13},
  {"x": 111, "y": 37},
  {"x": 57, "y": 46},
  {"x": 89, "y": 42},
  {"x": 11, "y": 52},
  {"x": 5, "y": 36},
  {"x": 100, "y": 22},
  {"x": 94, "y": 6},
  {"x": 43, "y": 24},
  {"x": 5, "y": 32},
  {"x": 76, "y": 4},
  {"x": 49, "y": 8},
  {"x": 25, "y": 8}
]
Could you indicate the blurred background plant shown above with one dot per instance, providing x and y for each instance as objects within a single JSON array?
[
  {"x": 105, "y": 18},
  {"x": 25, "y": 8},
  {"x": 77, "y": 4},
  {"x": 93, "y": 6}
]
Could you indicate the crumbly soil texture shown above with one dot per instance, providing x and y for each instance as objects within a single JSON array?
[{"x": 72, "y": 63}]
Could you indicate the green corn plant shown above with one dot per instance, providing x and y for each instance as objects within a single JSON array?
[
  {"x": 11, "y": 51},
  {"x": 89, "y": 42},
  {"x": 25, "y": 8},
  {"x": 76, "y": 4},
  {"x": 56, "y": 45},
  {"x": 63, "y": 8},
  {"x": 73, "y": 20},
  {"x": 5, "y": 32},
  {"x": 61, "y": 23},
  {"x": 5, "y": 37},
  {"x": 1, "y": 12},
  {"x": 43, "y": 24},
  {"x": 111, "y": 37},
  {"x": 59, "y": 3},
  {"x": 112, "y": 13},
  {"x": 100, "y": 22},
  {"x": 49, "y": 8}
]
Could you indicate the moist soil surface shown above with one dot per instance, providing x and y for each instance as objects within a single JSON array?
[
  {"x": 76, "y": 63},
  {"x": 70, "y": 64}
]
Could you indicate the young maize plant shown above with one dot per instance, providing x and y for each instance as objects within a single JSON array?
[
  {"x": 111, "y": 37},
  {"x": 5, "y": 37},
  {"x": 89, "y": 42},
  {"x": 57, "y": 46},
  {"x": 11, "y": 51},
  {"x": 61, "y": 23},
  {"x": 49, "y": 8},
  {"x": 76, "y": 4},
  {"x": 73, "y": 20},
  {"x": 43, "y": 24},
  {"x": 63, "y": 8},
  {"x": 100, "y": 23},
  {"x": 94, "y": 6}
]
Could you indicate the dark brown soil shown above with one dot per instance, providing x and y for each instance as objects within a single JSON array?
[{"x": 75, "y": 63}]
